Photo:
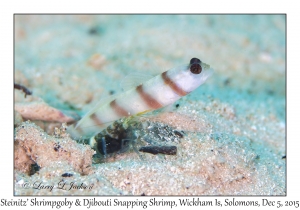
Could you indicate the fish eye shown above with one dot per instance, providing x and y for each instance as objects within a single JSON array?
[
  {"x": 195, "y": 60},
  {"x": 195, "y": 66}
]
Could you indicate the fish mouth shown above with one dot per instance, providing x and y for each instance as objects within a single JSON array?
[{"x": 206, "y": 72}]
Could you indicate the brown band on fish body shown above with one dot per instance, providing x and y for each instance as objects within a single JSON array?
[
  {"x": 168, "y": 81},
  {"x": 96, "y": 119},
  {"x": 118, "y": 109},
  {"x": 148, "y": 99}
]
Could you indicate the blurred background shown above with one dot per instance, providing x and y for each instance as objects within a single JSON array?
[{"x": 73, "y": 60}]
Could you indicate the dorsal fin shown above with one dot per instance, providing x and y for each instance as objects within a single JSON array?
[{"x": 133, "y": 80}]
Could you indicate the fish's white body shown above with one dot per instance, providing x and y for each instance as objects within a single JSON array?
[{"x": 158, "y": 92}]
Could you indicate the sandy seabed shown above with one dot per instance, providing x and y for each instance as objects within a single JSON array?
[{"x": 234, "y": 124}]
